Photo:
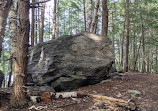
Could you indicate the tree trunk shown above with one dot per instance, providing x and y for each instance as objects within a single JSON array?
[
  {"x": 70, "y": 19},
  {"x": 3, "y": 65},
  {"x": 112, "y": 27},
  {"x": 143, "y": 38},
  {"x": 104, "y": 18},
  {"x": 10, "y": 73},
  {"x": 36, "y": 25},
  {"x": 127, "y": 35},
  {"x": 95, "y": 20},
  {"x": 4, "y": 10},
  {"x": 20, "y": 68},
  {"x": 32, "y": 25},
  {"x": 84, "y": 11},
  {"x": 57, "y": 18},
  {"x": 151, "y": 62},
  {"x": 13, "y": 37},
  {"x": 42, "y": 23},
  {"x": 13, "y": 30},
  {"x": 156, "y": 69},
  {"x": 54, "y": 21},
  {"x": 148, "y": 61},
  {"x": 122, "y": 44},
  {"x": 1, "y": 78},
  {"x": 89, "y": 16},
  {"x": 134, "y": 50}
]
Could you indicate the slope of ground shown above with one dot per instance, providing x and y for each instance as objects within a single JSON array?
[{"x": 140, "y": 88}]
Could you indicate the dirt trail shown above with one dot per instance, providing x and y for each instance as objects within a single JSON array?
[{"x": 137, "y": 87}]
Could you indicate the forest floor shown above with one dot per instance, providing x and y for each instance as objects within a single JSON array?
[{"x": 121, "y": 86}]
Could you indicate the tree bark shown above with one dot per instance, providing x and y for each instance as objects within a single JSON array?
[
  {"x": 33, "y": 25},
  {"x": 156, "y": 69},
  {"x": 4, "y": 10},
  {"x": 148, "y": 61},
  {"x": 3, "y": 66},
  {"x": 1, "y": 78},
  {"x": 42, "y": 23},
  {"x": 13, "y": 37},
  {"x": 10, "y": 73},
  {"x": 122, "y": 44},
  {"x": 54, "y": 21},
  {"x": 95, "y": 20},
  {"x": 13, "y": 28},
  {"x": 151, "y": 62},
  {"x": 143, "y": 38},
  {"x": 36, "y": 25},
  {"x": 84, "y": 11},
  {"x": 104, "y": 18},
  {"x": 20, "y": 68},
  {"x": 89, "y": 16},
  {"x": 127, "y": 35},
  {"x": 134, "y": 50},
  {"x": 57, "y": 18}
]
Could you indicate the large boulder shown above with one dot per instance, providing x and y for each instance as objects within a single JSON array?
[{"x": 70, "y": 62}]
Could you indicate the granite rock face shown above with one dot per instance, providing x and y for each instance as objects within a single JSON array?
[{"x": 70, "y": 62}]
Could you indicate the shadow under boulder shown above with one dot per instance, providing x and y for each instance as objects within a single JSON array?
[{"x": 70, "y": 62}]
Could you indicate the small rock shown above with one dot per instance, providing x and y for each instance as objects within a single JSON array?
[
  {"x": 134, "y": 92},
  {"x": 119, "y": 95}
]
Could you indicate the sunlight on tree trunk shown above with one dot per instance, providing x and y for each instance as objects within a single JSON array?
[
  {"x": 36, "y": 25},
  {"x": 32, "y": 25},
  {"x": 54, "y": 21},
  {"x": 57, "y": 18},
  {"x": 89, "y": 16},
  {"x": 95, "y": 20},
  {"x": 84, "y": 11}
]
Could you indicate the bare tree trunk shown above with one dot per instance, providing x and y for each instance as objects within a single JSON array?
[
  {"x": 70, "y": 23},
  {"x": 113, "y": 32},
  {"x": 33, "y": 25},
  {"x": 1, "y": 78},
  {"x": 143, "y": 38},
  {"x": 104, "y": 18},
  {"x": 137, "y": 55},
  {"x": 36, "y": 25},
  {"x": 151, "y": 62},
  {"x": 95, "y": 20},
  {"x": 134, "y": 50},
  {"x": 42, "y": 23},
  {"x": 13, "y": 37},
  {"x": 3, "y": 66},
  {"x": 57, "y": 18},
  {"x": 10, "y": 73},
  {"x": 13, "y": 29},
  {"x": 4, "y": 10},
  {"x": 84, "y": 11},
  {"x": 127, "y": 36},
  {"x": 54, "y": 21},
  {"x": 156, "y": 69},
  {"x": 148, "y": 61},
  {"x": 89, "y": 16},
  {"x": 122, "y": 43},
  {"x": 20, "y": 68}
]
